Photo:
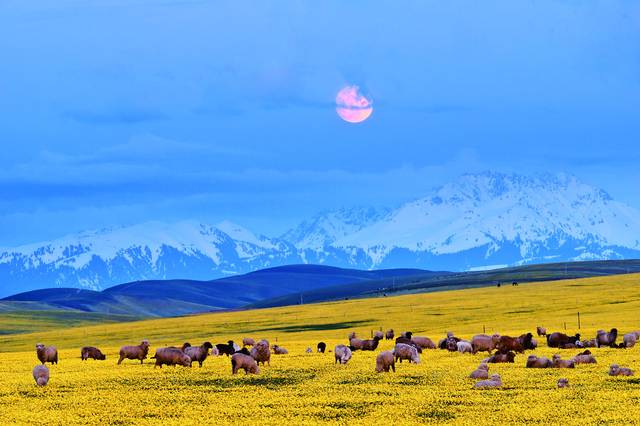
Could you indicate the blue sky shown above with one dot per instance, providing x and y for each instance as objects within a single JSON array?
[{"x": 116, "y": 112}]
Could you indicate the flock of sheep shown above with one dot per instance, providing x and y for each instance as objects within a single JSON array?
[{"x": 407, "y": 347}]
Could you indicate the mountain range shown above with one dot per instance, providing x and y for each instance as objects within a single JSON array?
[{"x": 476, "y": 222}]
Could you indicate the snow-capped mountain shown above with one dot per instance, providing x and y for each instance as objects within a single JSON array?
[{"x": 478, "y": 221}]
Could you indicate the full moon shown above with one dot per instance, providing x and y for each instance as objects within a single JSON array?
[{"x": 352, "y": 106}]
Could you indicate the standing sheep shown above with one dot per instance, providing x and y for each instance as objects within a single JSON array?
[
  {"x": 261, "y": 352},
  {"x": 607, "y": 339},
  {"x": 171, "y": 356},
  {"x": 248, "y": 341},
  {"x": 198, "y": 353},
  {"x": 226, "y": 348},
  {"x": 342, "y": 354},
  {"x": 244, "y": 362},
  {"x": 616, "y": 370},
  {"x": 364, "y": 345},
  {"x": 423, "y": 342},
  {"x": 47, "y": 353},
  {"x": 541, "y": 331},
  {"x": 494, "y": 382},
  {"x": 482, "y": 372},
  {"x": 403, "y": 351},
  {"x": 321, "y": 347},
  {"x": 464, "y": 347},
  {"x": 484, "y": 343},
  {"x": 385, "y": 361},
  {"x": 378, "y": 334},
  {"x": 389, "y": 335},
  {"x": 41, "y": 375},
  {"x": 135, "y": 352},
  {"x": 91, "y": 352}
]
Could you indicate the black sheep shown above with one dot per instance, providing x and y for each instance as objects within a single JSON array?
[
  {"x": 322, "y": 346},
  {"x": 226, "y": 348}
]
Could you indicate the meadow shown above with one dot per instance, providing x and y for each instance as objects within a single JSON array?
[{"x": 309, "y": 388}]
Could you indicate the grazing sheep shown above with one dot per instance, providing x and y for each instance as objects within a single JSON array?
[
  {"x": 406, "y": 338},
  {"x": 171, "y": 356},
  {"x": 464, "y": 347},
  {"x": 279, "y": 350},
  {"x": 403, "y": 351},
  {"x": 500, "y": 358},
  {"x": 41, "y": 375},
  {"x": 423, "y": 342},
  {"x": 516, "y": 344},
  {"x": 91, "y": 352},
  {"x": 389, "y": 335},
  {"x": 559, "y": 340},
  {"x": 261, "y": 352},
  {"x": 322, "y": 346},
  {"x": 47, "y": 353},
  {"x": 607, "y": 339},
  {"x": 482, "y": 372},
  {"x": 494, "y": 382},
  {"x": 248, "y": 341},
  {"x": 226, "y": 348},
  {"x": 244, "y": 362},
  {"x": 541, "y": 331},
  {"x": 538, "y": 362},
  {"x": 484, "y": 343},
  {"x": 385, "y": 361},
  {"x": 630, "y": 339},
  {"x": 198, "y": 353},
  {"x": 135, "y": 352},
  {"x": 584, "y": 358},
  {"x": 378, "y": 334},
  {"x": 562, "y": 363},
  {"x": 342, "y": 354},
  {"x": 563, "y": 383},
  {"x": 616, "y": 370},
  {"x": 364, "y": 345}
]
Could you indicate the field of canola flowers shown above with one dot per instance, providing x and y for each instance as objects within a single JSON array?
[{"x": 309, "y": 388}]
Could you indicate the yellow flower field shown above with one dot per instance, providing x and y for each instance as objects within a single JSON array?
[{"x": 309, "y": 388}]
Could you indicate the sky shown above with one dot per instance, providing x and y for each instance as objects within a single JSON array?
[{"x": 116, "y": 112}]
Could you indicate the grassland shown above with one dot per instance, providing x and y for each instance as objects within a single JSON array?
[{"x": 309, "y": 388}]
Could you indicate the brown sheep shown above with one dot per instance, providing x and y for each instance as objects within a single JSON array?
[
  {"x": 607, "y": 339},
  {"x": 41, "y": 375},
  {"x": 389, "y": 335},
  {"x": 616, "y": 370},
  {"x": 558, "y": 340},
  {"x": 403, "y": 351},
  {"x": 630, "y": 339},
  {"x": 538, "y": 362},
  {"x": 423, "y": 342},
  {"x": 244, "y": 362},
  {"x": 47, "y": 353},
  {"x": 248, "y": 341},
  {"x": 516, "y": 344},
  {"x": 500, "y": 358},
  {"x": 385, "y": 361},
  {"x": 135, "y": 352},
  {"x": 406, "y": 338},
  {"x": 342, "y": 354},
  {"x": 91, "y": 352},
  {"x": 364, "y": 345},
  {"x": 279, "y": 350},
  {"x": 171, "y": 356},
  {"x": 591, "y": 343},
  {"x": 378, "y": 334},
  {"x": 484, "y": 343},
  {"x": 198, "y": 353},
  {"x": 584, "y": 359},
  {"x": 494, "y": 382},
  {"x": 562, "y": 363},
  {"x": 261, "y": 352},
  {"x": 563, "y": 383},
  {"x": 541, "y": 331},
  {"x": 482, "y": 372}
]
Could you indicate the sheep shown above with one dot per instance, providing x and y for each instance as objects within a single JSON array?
[
  {"x": 351, "y": 335},
  {"x": 321, "y": 347},
  {"x": 41, "y": 374},
  {"x": 494, "y": 382},
  {"x": 308, "y": 350},
  {"x": 558, "y": 340},
  {"x": 591, "y": 343},
  {"x": 47, "y": 354},
  {"x": 261, "y": 352},
  {"x": 533, "y": 344},
  {"x": 484, "y": 343},
  {"x": 227, "y": 349},
  {"x": 135, "y": 352},
  {"x": 423, "y": 342},
  {"x": 378, "y": 334},
  {"x": 464, "y": 347},
  {"x": 616, "y": 370},
  {"x": 364, "y": 345},
  {"x": 243, "y": 351},
  {"x": 562, "y": 363},
  {"x": 482, "y": 372},
  {"x": 384, "y": 361},
  {"x": 91, "y": 352},
  {"x": 584, "y": 359},
  {"x": 279, "y": 350},
  {"x": 244, "y": 362},
  {"x": 538, "y": 362},
  {"x": 171, "y": 356},
  {"x": 500, "y": 358},
  {"x": 607, "y": 339},
  {"x": 214, "y": 351},
  {"x": 563, "y": 383},
  {"x": 248, "y": 341},
  {"x": 342, "y": 354},
  {"x": 389, "y": 335},
  {"x": 516, "y": 344},
  {"x": 198, "y": 353},
  {"x": 403, "y": 351},
  {"x": 541, "y": 331},
  {"x": 406, "y": 338},
  {"x": 630, "y": 339}
]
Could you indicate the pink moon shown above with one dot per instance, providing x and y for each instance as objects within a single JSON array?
[{"x": 352, "y": 106}]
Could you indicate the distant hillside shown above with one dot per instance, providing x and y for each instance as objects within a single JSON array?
[{"x": 180, "y": 297}]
